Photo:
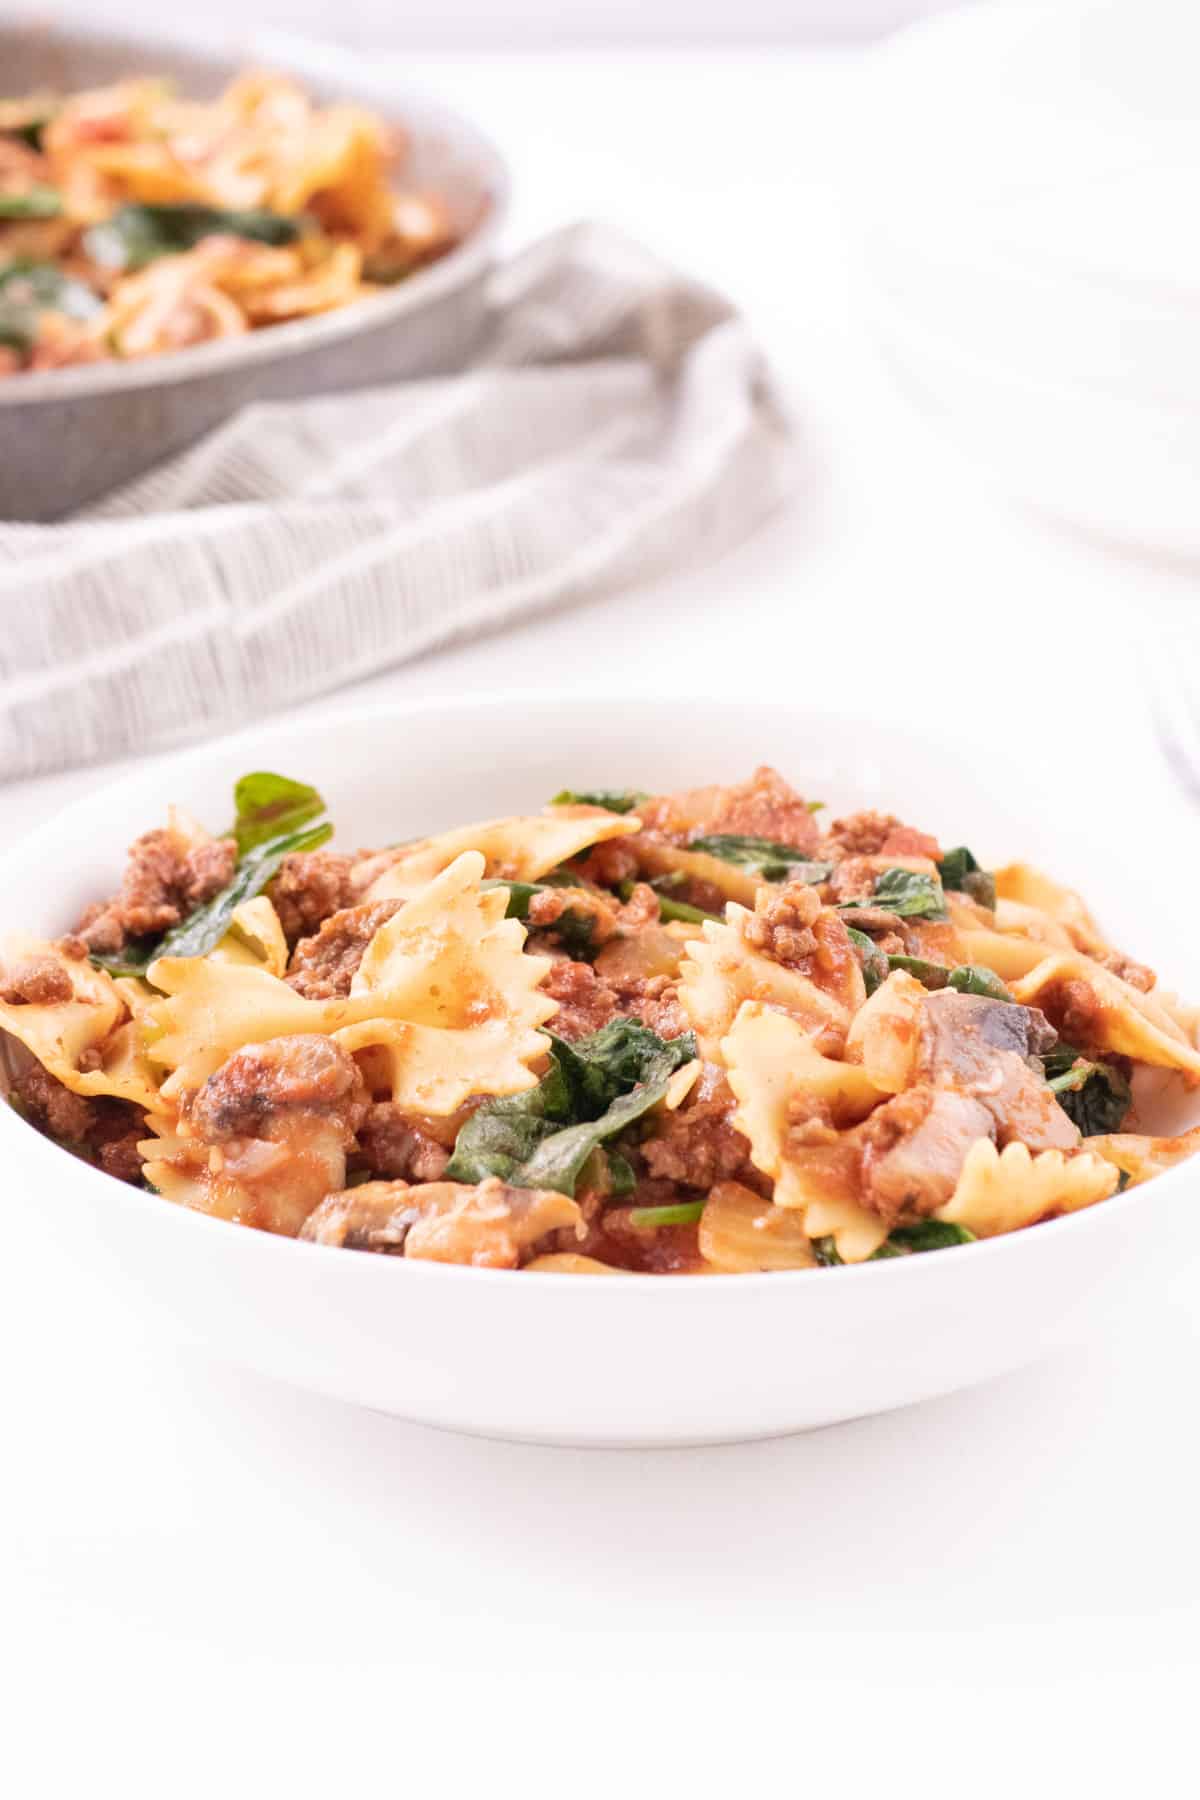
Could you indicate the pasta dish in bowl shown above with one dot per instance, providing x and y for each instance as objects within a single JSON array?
[
  {"x": 693, "y": 1031},
  {"x": 683, "y": 1033},
  {"x": 188, "y": 229},
  {"x": 135, "y": 220}
]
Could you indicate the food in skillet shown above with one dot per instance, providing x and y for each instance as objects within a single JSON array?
[
  {"x": 135, "y": 221},
  {"x": 682, "y": 1033}
]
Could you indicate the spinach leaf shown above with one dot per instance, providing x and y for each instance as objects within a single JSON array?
[
  {"x": 966, "y": 978},
  {"x": 622, "y": 1055},
  {"x": 270, "y": 806},
  {"x": 594, "y": 1089},
  {"x": 31, "y": 132},
  {"x": 930, "y": 974},
  {"x": 906, "y": 893},
  {"x": 973, "y": 978},
  {"x": 959, "y": 870},
  {"x": 762, "y": 856},
  {"x": 874, "y": 962},
  {"x": 904, "y": 1240},
  {"x": 559, "y": 1158},
  {"x": 28, "y": 289},
  {"x": 136, "y": 235},
  {"x": 687, "y": 1212},
  {"x": 520, "y": 893},
  {"x": 37, "y": 202},
  {"x": 669, "y": 909},
  {"x": 930, "y": 1234},
  {"x": 615, "y": 800},
  {"x": 501, "y": 1135},
  {"x": 204, "y": 928},
  {"x": 576, "y": 928},
  {"x": 621, "y": 1178},
  {"x": 1094, "y": 1095}
]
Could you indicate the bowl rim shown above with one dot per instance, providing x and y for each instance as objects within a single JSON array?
[
  {"x": 155, "y": 1207},
  {"x": 469, "y": 258}
]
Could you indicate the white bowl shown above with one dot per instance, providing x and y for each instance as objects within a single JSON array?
[{"x": 635, "y": 1359}]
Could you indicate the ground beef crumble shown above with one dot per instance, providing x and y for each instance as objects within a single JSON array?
[
  {"x": 878, "y": 834},
  {"x": 698, "y": 1145},
  {"x": 310, "y": 887},
  {"x": 37, "y": 981},
  {"x": 1136, "y": 974},
  {"x": 585, "y": 1002},
  {"x": 108, "y": 1130},
  {"x": 395, "y": 1146},
  {"x": 323, "y": 966},
  {"x": 782, "y": 924},
  {"x": 163, "y": 882}
]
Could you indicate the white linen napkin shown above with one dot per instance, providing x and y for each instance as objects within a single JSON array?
[{"x": 619, "y": 421}]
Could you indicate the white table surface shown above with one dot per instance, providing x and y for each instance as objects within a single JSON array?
[{"x": 206, "y": 1578}]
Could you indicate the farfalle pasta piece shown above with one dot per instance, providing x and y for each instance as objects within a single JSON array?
[
  {"x": 772, "y": 1063},
  {"x": 885, "y": 1037},
  {"x": 212, "y": 1007},
  {"x": 721, "y": 971},
  {"x": 84, "y": 1041},
  {"x": 444, "y": 986},
  {"x": 1021, "y": 882},
  {"x": 432, "y": 1069},
  {"x": 451, "y": 957},
  {"x": 1003, "y": 1190},
  {"x": 570, "y": 1262},
  {"x": 743, "y": 1234},
  {"x": 1089, "y": 1003},
  {"x": 522, "y": 848},
  {"x": 1141, "y": 1158},
  {"x": 255, "y": 939},
  {"x": 1012, "y": 940},
  {"x": 1007, "y": 955}
]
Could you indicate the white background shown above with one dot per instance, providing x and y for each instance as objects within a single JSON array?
[
  {"x": 210, "y": 1584},
  {"x": 470, "y": 25}
]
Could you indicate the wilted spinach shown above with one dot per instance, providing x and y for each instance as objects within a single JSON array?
[
  {"x": 257, "y": 866},
  {"x": 575, "y": 927},
  {"x": 905, "y": 892},
  {"x": 930, "y": 974},
  {"x": 959, "y": 870},
  {"x": 874, "y": 963},
  {"x": 37, "y": 202},
  {"x": 29, "y": 130},
  {"x": 903, "y": 1240},
  {"x": 973, "y": 978},
  {"x": 28, "y": 289},
  {"x": 762, "y": 856},
  {"x": 269, "y": 806},
  {"x": 650, "y": 1218},
  {"x": 593, "y": 1090},
  {"x": 929, "y": 1234},
  {"x": 1094, "y": 1095},
  {"x": 615, "y": 800},
  {"x": 136, "y": 235}
]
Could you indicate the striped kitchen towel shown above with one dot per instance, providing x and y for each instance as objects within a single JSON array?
[{"x": 619, "y": 422}]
